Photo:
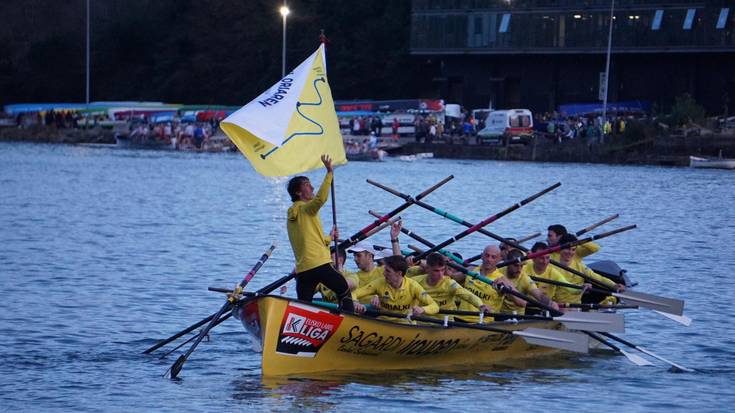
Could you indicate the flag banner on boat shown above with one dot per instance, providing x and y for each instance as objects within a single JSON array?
[
  {"x": 286, "y": 129},
  {"x": 304, "y": 329}
]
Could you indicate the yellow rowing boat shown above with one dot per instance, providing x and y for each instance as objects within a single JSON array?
[{"x": 301, "y": 338}]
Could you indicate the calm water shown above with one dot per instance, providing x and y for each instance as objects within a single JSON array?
[{"x": 104, "y": 251}]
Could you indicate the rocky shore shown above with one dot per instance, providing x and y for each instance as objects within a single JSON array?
[{"x": 49, "y": 134}]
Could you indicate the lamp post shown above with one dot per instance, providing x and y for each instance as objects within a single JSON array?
[
  {"x": 607, "y": 67},
  {"x": 87, "y": 65},
  {"x": 284, "y": 12}
]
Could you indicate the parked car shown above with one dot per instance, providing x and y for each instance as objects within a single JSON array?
[{"x": 512, "y": 126}]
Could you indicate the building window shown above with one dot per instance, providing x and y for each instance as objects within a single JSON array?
[
  {"x": 657, "y": 20},
  {"x": 504, "y": 23},
  {"x": 722, "y": 20},
  {"x": 689, "y": 19}
]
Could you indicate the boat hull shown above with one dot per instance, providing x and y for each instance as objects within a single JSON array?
[
  {"x": 715, "y": 163},
  {"x": 301, "y": 339}
]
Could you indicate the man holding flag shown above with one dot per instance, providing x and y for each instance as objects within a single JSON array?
[
  {"x": 282, "y": 132},
  {"x": 310, "y": 246}
]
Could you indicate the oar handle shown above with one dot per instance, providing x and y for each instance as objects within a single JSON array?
[
  {"x": 435, "y": 187},
  {"x": 407, "y": 198},
  {"x": 544, "y": 192},
  {"x": 568, "y": 285},
  {"x": 528, "y": 237},
  {"x": 261, "y": 261},
  {"x": 362, "y": 234},
  {"x": 599, "y": 224},
  {"x": 472, "y": 259}
]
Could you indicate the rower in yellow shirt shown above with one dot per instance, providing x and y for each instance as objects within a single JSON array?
[
  {"x": 521, "y": 282},
  {"x": 443, "y": 289},
  {"x": 539, "y": 267},
  {"x": 485, "y": 292},
  {"x": 397, "y": 293},
  {"x": 365, "y": 255}
]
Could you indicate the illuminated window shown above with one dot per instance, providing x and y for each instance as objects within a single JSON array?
[
  {"x": 689, "y": 20},
  {"x": 504, "y": 23},
  {"x": 656, "y": 24},
  {"x": 722, "y": 20}
]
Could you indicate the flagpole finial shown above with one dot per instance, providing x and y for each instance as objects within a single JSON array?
[{"x": 323, "y": 38}]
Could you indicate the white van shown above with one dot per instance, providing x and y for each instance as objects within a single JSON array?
[{"x": 507, "y": 126}]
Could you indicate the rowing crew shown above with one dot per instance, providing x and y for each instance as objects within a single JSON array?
[{"x": 428, "y": 287}]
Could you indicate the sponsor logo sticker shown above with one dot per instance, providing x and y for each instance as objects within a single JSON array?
[{"x": 305, "y": 329}]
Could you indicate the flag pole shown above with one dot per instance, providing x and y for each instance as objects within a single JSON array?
[{"x": 323, "y": 40}]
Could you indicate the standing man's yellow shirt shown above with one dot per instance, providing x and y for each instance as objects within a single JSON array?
[{"x": 310, "y": 246}]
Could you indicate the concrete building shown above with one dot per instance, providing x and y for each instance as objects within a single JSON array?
[{"x": 540, "y": 54}]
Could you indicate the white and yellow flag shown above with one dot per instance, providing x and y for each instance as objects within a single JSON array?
[{"x": 286, "y": 129}]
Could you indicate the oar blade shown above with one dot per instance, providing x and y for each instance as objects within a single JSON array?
[
  {"x": 607, "y": 322},
  {"x": 562, "y": 340},
  {"x": 653, "y": 302},
  {"x": 176, "y": 367},
  {"x": 681, "y": 319},
  {"x": 635, "y": 359}
]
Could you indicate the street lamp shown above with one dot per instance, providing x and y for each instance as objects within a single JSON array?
[
  {"x": 284, "y": 12},
  {"x": 607, "y": 67}
]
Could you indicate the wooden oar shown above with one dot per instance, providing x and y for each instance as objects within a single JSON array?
[
  {"x": 634, "y": 358},
  {"x": 362, "y": 234},
  {"x": 599, "y": 224},
  {"x": 650, "y": 353},
  {"x": 558, "y": 247},
  {"x": 334, "y": 224},
  {"x": 538, "y": 336},
  {"x": 668, "y": 307},
  {"x": 487, "y": 221},
  {"x": 576, "y": 320},
  {"x": 595, "y": 306},
  {"x": 179, "y": 363}
]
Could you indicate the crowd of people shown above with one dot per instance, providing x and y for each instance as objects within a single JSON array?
[{"x": 592, "y": 128}]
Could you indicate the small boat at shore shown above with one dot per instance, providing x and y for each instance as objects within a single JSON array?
[
  {"x": 298, "y": 338},
  {"x": 373, "y": 155},
  {"x": 714, "y": 163}
]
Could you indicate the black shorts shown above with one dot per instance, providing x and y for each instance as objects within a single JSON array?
[{"x": 307, "y": 281}]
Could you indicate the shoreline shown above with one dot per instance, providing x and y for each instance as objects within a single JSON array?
[{"x": 657, "y": 151}]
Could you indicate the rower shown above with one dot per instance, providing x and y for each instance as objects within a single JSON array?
[
  {"x": 308, "y": 242},
  {"x": 553, "y": 237},
  {"x": 351, "y": 278},
  {"x": 519, "y": 281},
  {"x": 485, "y": 292},
  {"x": 568, "y": 257},
  {"x": 539, "y": 267},
  {"x": 395, "y": 292},
  {"x": 505, "y": 247},
  {"x": 443, "y": 289},
  {"x": 365, "y": 255}
]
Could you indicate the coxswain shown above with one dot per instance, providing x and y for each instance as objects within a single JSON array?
[
  {"x": 443, "y": 289},
  {"x": 309, "y": 244},
  {"x": 519, "y": 281},
  {"x": 397, "y": 293}
]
